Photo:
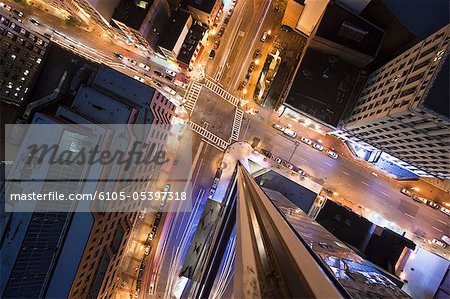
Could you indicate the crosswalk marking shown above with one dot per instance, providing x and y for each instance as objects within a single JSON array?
[
  {"x": 213, "y": 86},
  {"x": 209, "y": 137},
  {"x": 191, "y": 96},
  {"x": 237, "y": 124}
]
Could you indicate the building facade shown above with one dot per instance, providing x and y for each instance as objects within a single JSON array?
[
  {"x": 403, "y": 108},
  {"x": 206, "y": 11},
  {"x": 21, "y": 54}
]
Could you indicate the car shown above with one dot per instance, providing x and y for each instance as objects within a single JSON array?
[
  {"x": 17, "y": 19},
  {"x": 306, "y": 140},
  {"x": 251, "y": 67},
  {"x": 279, "y": 127},
  {"x": 216, "y": 44},
  {"x": 445, "y": 211},
  {"x": 439, "y": 243},
  {"x": 265, "y": 36},
  {"x": 266, "y": 153},
  {"x": 158, "y": 73},
  {"x": 18, "y": 12},
  {"x": 221, "y": 32},
  {"x": 170, "y": 78},
  {"x": 180, "y": 84},
  {"x": 35, "y": 22},
  {"x": 140, "y": 79},
  {"x": 298, "y": 170},
  {"x": 144, "y": 66},
  {"x": 169, "y": 90},
  {"x": 318, "y": 146},
  {"x": 7, "y": 7},
  {"x": 148, "y": 248},
  {"x": 332, "y": 154},
  {"x": 257, "y": 54},
  {"x": 287, "y": 164},
  {"x": 417, "y": 199},
  {"x": 278, "y": 160},
  {"x": 212, "y": 54},
  {"x": 151, "y": 235},
  {"x": 211, "y": 193},
  {"x": 157, "y": 83},
  {"x": 242, "y": 85},
  {"x": 230, "y": 12},
  {"x": 226, "y": 20},
  {"x": 445, "y": 239},
  {"x": 290, "y": 133},
  {"x": 433, "y": 205},
  {"x": 118, "y": 56},
  {"x": 247, "y": 76},
  {"x": 406, "y": 192},
  {"x": 170, "y": 72}
]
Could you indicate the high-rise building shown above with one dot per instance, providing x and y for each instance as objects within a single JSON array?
[
  {"x": 403, "y": 109},
  {"x": 141, "y": 22},
  {"x": 58, "y": 253},
  {"x": 206, "y": 11},
  {"x": 21, "y": 54}
]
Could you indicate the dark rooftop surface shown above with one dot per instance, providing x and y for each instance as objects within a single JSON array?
[
  {"x": 173, "y": 29},
  {"x": 397, "y": 36},
  {"x": 341, "y": 26},
  {"x": 358, "y": 277},
  {"x": 322, "y": 86},
  {"x": 132, "y": 12},
  {"x": 437, "y": 99},
  {"x": 190, "y": 43},
  {"x": 203, "y": 5}
]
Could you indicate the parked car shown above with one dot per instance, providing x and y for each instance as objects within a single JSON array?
[
  {"x": 133, "y": 62},
  {"x": 18, "y": 12},
  {"x": 221, "y": 32},
  {"x": 445, "y": 211},
  {"x": 332, "y": 154},
  {"x": 140, "y": 79},
  {"x": 264, "y": 36},
  {"x": 180, "y": 84},
  {"x": 216, "y": 44},
  {"x": 251, "y": 67},
  {"x": 406, "y": 192},
  {"x": 226, "y": 20},
  {"x": 287, "y": 164},
  {"x": 278, "y": 160},
  {"x": 169, "y": 90},
  {"x": 118, "y": 56},
  {"x": 148, "y": 248},
  {"x": 151, "y": 235},
  {"x": 290, "y": 133},
  {"x": 439, "y": 243},
  {"x": 144, "y": 66},
  {"x": 212, "y": 54},
  {"x": 158, "y": 73},
  {"x": 266, "y": 153},
  {"x": 169, "y": 78},
  {"x": 433, "y": 205},
  {"x": 279, "y": 127},
  {"x": 306, "y": 140},
  {"x": 318, "y": 146},
  {"x": 257, "y": 54},
  {"x": 445, "y": 239},
  {"x": 298, "y": 170},
  {"x": 170, "y": 72}
]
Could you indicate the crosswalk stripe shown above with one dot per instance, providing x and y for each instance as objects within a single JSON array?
[
  {"x": 217, "y": 89},
  {"x": 209, "y": 137},
  {"x": 237, "y": 124}
]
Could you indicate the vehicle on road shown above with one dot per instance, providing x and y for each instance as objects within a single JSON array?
[
  {"x": 35, "y": 22},
  {"x": 211, "y": 193},
  {"x": 6, "y": 7},
  {"x": 132, "y": 61},
  {"x": 216, "y": 44},
  {"x": 306, "y": 140},
  {"x": 265, "y": 36},
  {"x": 439, "y": 243},
  {"x": 151, "y": 235},
  {"x": 221, "y": 32},
  {"x": 118, "y": 56},
  {"x": 417, "y": 199},
  {"x": 287, "y": 164},
  {"x": 227, "y": 19},
  {"x": 445, "y": 211},
  {"x": 251, "y": 67},
  {"x": 212, "y": 54},
  {"x": 169, "y": 78},
  {"x": 257, "y": 54},
  {"x": 318, "y": 146},
  {"x": 230, "y": 12},
  {"x": 170, "y": 72},
  {"x": 242, "y": 85},
  {"x": 18, "y": 12},
  {"x": 278, "y": 160},
  {"x": 432, "y": 204},
  {"x": 140, "y": 79},
  {"x": 290, "y": 133},
  {"x": 298, "y": 170},
  {"x": 180, "y": 84},
  {"x": 332, "y": 154},
  {"x": 158, "y": 73},
  {"x": 17, "y": 19},
  {"x": 144, "y": 66},
  {"x": 279, "y": 127},
  {"x": 406, "y": 192},
  {"x": 148, "y": 248},
  {"x": 445, "y": 239}
]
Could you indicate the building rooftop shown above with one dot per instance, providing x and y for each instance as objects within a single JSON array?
[
  {"x": 132, "y": 12},
  {"x": 190, "y": 43},
  {"x": 358, "y": 277},
  {"x": 343, "y": 27},
  {"x": 203, "y": 5},
  {"x": 322, "y": 86},
  {"x": 173, "y": 29}
]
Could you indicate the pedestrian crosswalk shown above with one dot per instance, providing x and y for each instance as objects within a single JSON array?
[
  {"x": 217, "y": 89},
  {"x": 237, "y": 124},
  {"x": 209, "y": 137},
  {"x": 192, "y": 94}
]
